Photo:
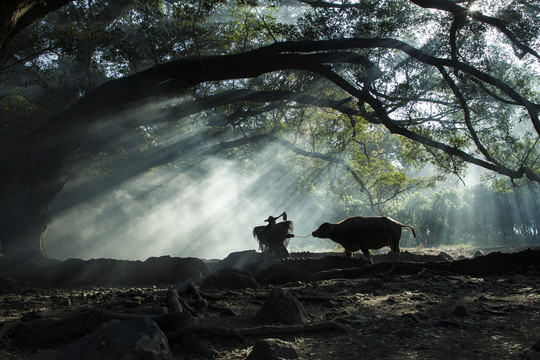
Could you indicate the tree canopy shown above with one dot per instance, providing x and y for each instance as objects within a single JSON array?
[{"x": 371, "y": 91}]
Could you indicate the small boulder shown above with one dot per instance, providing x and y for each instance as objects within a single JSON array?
[
  {"x": 133, "y": 339},
  {"x": 479, "y": 253},
  {"x": 460, "y": 310},
  {"x": 272, "y": 349},
  {"x": 445, "y": 256},
  {"x": 519, "y": 279},
  {"x": 243, "y": 260},
  {"x": 282, "y": 307}
]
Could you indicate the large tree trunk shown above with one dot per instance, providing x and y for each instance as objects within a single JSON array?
[{"x": 32, "y": 183}]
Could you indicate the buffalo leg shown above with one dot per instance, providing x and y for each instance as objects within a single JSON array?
[
  {"x": 394, "y": 247},
  {"x": 367, "y": 254}
]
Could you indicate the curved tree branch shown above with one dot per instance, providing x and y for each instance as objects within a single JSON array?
[
  {"x": 467, "y": 116},
  {"x": 460, "y": 14},
  {"x": 388, "y": 43},
  {"x": 394, "y": 128},
  {"x": 176, "y": 77}
]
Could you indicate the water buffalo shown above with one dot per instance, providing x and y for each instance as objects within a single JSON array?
[{"x": 364, "y": 233}]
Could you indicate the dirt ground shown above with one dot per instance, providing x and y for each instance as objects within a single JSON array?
[{"x": 427, "y": 315}]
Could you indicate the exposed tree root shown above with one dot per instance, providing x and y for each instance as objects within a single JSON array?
[
  {"x": 258, "y": 331},
  {"x": 493, "y": 263}
]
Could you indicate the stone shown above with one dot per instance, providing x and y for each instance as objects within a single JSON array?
[
  {"x": 519, "y": 279},
  {"x": 479, "y": 253},
  {"x": 460, "y": 311},
  {"x": 282, "y": 307},
  {"x": 445, "y": 256},
  {"x": 375, "y": 284},
  {"x": 133, "y": 339},
  {"x": 243, "y": 260},
  {"x": 167, "y": 270},
  {"x": 272, "y": 349}
]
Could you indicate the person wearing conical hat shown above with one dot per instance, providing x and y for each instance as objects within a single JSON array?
[{"x": 274, "y": 238}]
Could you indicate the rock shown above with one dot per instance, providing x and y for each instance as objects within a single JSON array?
[
  {"x": 483, "y": 298},
  {"x": 460, "y": 310},
  {"x": 360, "y": 320},
  {"x": 243, "y": 260},
  {"x": 331, "y": 304},
  {"x": 519, "y": 279},
  {"x": 422, "y": 316},
  {"x": 31, "y": 315},
  {"x": 406, "y": 333},
  {"x": 175, "y": 320},
  {"x": 282, "y": 307},
  {"x": 530, "y": 270},
  {"x": 133, "y": 339},
  {"x": 106, "y": 272},
  {"x": 272, "y": 349},
  {"x": 530, "y": 355},
  {"x": 479, "y": 253},
  {"x": 78, "y": 272},
  {"x": 445, "y": 256},
  {"x": 375, "y": 284},
  {"x": 167, "y": 270},
  {"x": 63, "y": 301},
  {"x": 230, "y": 279},
  {"x": 412, "y": 316}
]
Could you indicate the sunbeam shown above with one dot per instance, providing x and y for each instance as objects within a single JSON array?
[{"x": 207, "y": 211}]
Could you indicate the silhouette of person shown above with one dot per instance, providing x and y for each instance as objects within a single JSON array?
[{"x": 274, "y": 237}]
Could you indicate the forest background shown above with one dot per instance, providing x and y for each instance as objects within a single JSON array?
[{"x": 142, "y": 128}]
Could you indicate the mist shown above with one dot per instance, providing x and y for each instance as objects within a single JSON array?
[
  {"x": 208, "y": 211},
  {"x": 209, "y": 208}
]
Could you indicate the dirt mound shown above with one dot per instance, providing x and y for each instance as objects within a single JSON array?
[{"x": 106, "y": 272}]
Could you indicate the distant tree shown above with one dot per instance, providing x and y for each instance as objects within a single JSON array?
[{"x": 478, "y": 215}]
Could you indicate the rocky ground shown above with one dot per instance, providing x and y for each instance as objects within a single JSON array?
[{"x": 406, "y": 313}]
